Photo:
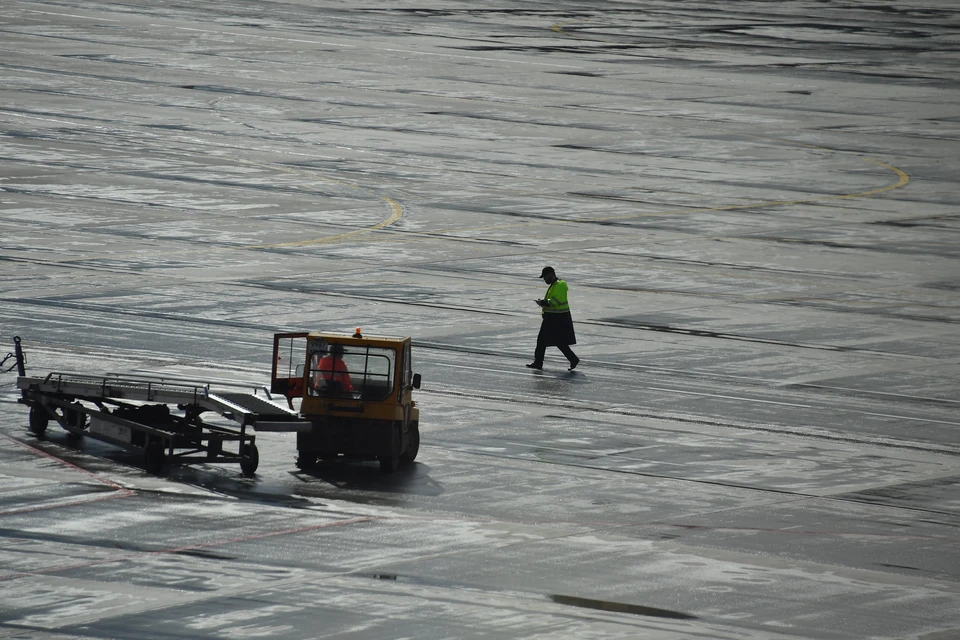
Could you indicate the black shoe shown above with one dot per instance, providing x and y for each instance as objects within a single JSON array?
[
  {"x": 536, "y": 365},
  {"x": 573, "y": 364}
]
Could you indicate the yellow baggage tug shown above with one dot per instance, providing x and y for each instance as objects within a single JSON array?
[{"x": 356, "y": 396}]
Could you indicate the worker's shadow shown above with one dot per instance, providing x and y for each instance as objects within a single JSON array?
[
  {"x": 350, "y": 475},
  {"x": 560, "y": 382}
]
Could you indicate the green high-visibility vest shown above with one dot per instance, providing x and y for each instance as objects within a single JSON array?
[{"x": 556, "y": 298}]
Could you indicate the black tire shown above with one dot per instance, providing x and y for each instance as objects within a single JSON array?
[
  {"x": 39, "y": 419},
  {"x": 154, "y": 457},
  {"x": 388, "y": 464},
  {"x": 306, "y": 460},
  {"x": 413, "y": 446},
  {"x": 250, "y": 460}
]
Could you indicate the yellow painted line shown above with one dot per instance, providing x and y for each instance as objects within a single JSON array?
[
  {"x": 396, "y": 208},
  {"x": 903, "y": 179},
  {"x": 397, "y": 214}
]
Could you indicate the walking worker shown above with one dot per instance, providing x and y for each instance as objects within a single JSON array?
[{"x": 556, "y": 329}]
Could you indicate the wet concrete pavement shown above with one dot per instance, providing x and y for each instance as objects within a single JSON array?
[{"x": 755, "y": 206}]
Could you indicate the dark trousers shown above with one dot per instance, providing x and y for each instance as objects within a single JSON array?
[{"x": 564, "y": 349}]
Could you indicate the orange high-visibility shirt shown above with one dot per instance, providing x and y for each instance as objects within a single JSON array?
[{"x": 334, "y": 370}]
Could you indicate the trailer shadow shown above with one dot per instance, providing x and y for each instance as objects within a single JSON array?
[
  {"x": 107, "y": 461},
  {"x": 360, "y": 482},
  {"x": 246, "y": 488}
]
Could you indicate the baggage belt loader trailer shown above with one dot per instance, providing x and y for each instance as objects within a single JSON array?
[
  {"x": 355, "y": 393},
  {"x": 159, "y": 418}
]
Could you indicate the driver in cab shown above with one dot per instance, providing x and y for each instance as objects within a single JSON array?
[{"x": 334, "y": 371}]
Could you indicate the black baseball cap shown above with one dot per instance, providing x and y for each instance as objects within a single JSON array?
[{"x": 546, "y": 270}]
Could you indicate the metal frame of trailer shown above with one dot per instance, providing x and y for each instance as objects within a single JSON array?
[{"x": 136, "y": 414}]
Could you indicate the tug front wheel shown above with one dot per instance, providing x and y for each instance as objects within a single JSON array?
[
  {"x": 389, "y": 462},
  {"x": 413, "y": 444}
]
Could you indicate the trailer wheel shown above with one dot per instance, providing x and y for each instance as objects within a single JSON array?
[
  {"x": 39, "y": 419},
  {"x": 413, "y": 445},
  {"x": 154, "y": 457},
  {"x": 250, "y": 460}
]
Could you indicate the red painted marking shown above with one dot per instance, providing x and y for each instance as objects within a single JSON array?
[
  {"x": 121, "y": 492},
  {"x": 216, "y": 543},
  {"x": 109, "y": 483}
]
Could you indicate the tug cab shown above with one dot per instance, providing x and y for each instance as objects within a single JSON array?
[{"x": 356, "y": 393}]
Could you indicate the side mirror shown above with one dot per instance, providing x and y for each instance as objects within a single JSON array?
[{"x": 416, "y": 381}]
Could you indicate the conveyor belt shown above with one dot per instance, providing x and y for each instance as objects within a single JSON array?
[
  {"x": 264, "y": 409},
  {"x": 244, "y": 408}
]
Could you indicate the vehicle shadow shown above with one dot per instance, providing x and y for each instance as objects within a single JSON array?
[{"x": 347, "y": 476}]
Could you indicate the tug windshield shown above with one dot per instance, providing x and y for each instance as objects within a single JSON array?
[{"x": 345, "y": 371}]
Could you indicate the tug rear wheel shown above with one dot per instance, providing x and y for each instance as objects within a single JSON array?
[
  {"x": 388, "y": 463},
  {"x": 306, "y": 460}
]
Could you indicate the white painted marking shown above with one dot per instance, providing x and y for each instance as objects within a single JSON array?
[
  {"x": 254, "y": 35},
  {"x": 338, "y": 44},
  {"x": 71, "y": 15}
]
